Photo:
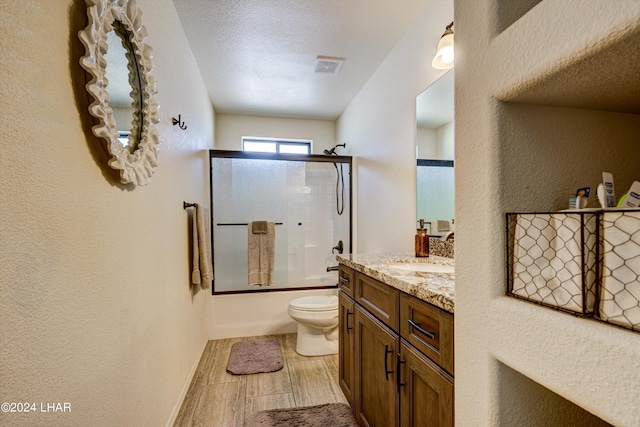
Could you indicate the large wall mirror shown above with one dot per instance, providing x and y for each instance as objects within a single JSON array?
[
  {"x": 122, "y": 87},
  {"x": 435, "y": 147}
]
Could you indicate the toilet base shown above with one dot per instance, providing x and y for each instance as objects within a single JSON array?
[{"x": 316, "y": 342}]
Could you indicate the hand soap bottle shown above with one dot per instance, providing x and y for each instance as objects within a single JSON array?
[{"x": 422, "y": 241}]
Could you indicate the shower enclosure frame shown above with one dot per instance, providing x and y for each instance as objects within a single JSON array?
[{"x": 232, "y": 154}]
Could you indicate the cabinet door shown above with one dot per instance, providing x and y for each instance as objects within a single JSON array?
[
  {"x": 346, "y": 351},
  {"x": 426, "y": 394},
  {"x": 376, "y": 395}
]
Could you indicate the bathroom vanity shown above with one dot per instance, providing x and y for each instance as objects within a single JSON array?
[{"x": 396, "y": 339}]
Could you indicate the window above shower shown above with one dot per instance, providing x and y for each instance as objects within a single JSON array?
[
  {"x": 275, "y": 145},
  {"x": 308, "y": 197}
]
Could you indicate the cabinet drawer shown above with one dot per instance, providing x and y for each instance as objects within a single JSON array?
[
  {"x": 347, "y": 280},
  {"x": 429, "y": 329},
  {"x": 379, "y": 299}
]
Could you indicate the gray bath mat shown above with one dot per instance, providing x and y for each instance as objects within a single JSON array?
[
  {"x": 329, "y": 414},
  {"x": 252, "y": 357}
]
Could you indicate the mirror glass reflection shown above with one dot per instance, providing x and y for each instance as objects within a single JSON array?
[
  {"x": 121, "y": 79},
  {"x": 435, "y": 149}
]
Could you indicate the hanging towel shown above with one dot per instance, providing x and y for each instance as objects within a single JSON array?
[
  {"x": 259, "y": 227},
  {"x": 443, "y": 225},
  {"x": 261, "y": 252},
  {"x": 202, "y": 273}
]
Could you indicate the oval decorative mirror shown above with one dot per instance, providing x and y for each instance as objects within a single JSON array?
[{"x": 122, "y": 87}]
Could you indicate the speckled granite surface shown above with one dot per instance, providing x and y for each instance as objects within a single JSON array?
[
  {"x": 440, "y": 248},
  {"x": 435, "y": 288}
]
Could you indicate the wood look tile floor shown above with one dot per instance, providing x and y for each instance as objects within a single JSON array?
[{"x": 217, "y": 398}]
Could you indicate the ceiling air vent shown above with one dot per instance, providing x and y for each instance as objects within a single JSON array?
[{"x": 327, "y": 64}]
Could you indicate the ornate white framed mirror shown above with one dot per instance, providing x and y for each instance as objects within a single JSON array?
[{"x": 122, "y": 87}]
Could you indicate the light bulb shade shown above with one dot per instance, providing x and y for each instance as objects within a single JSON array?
[{"x": 444, "y": 55}]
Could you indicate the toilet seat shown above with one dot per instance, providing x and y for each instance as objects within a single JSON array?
[{"x": 315, "y": 303}]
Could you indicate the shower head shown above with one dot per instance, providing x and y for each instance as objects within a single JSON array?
[{"x": 332, "y": 152}]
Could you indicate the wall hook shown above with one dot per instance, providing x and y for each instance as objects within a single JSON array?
[{"x": 178, "y": 122}]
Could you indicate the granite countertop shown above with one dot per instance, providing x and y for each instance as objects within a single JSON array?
[{"x": 435, "y": 288}]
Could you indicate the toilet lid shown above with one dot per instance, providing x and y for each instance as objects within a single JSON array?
[{"x": 316, "y": 303}]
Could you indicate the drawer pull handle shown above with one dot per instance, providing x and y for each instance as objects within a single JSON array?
[
  {"x": 387, "y": 350},
  {"x": 344, "y": 280},
  {"x": 416, "y": 326},
  {"x": 399, "y": 363},
  {"x": 349, "y": 313}
]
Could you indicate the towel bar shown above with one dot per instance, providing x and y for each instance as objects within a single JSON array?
[{"x": 239, "y": 223}]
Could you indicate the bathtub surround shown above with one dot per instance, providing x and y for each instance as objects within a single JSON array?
[{"x": 295, "y": 192}]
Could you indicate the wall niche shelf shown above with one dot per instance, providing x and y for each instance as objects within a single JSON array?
[
  {"x": 509, "y": 11},
  {"x": 586, "y": 61}
]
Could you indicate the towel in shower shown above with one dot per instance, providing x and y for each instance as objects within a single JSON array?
[
  {"x": 261, "y": 254},
  {"x": 259, "y": 227},
  {"x": 202, "y": 273}
]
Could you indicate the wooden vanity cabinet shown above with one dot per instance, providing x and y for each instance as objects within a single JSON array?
[
  {"x": 378, "y": 298},
  {"x": 376, "y": 380},
  {"x": 396, "y": 356},
  {"x": 346, "y": 280},
  {"x": 346, "y": 346},
  {"x": 429, "y": 329},
  {"x": 426, "y": 391}
]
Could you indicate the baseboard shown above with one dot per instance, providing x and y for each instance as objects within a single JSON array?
[
  {"x": 256, "y": 329},
  {"x": 185, "y": 388}
]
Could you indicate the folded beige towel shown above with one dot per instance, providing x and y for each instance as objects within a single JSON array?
[
  {"x": 202, "y": 273},
  {"x": 261, "y": 254},
  {"x": 259, "y": 227}
]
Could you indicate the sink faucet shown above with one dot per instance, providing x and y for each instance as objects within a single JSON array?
[{"x": 447, "y": 236}]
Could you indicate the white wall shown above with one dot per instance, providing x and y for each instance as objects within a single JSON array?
[
  {"x": 231, "y": 128},
  {"x": 95, "y": 304},
  {"x": 436, "y": 144},
  {"x": 446, "y": 140},
  {"x": 519, "y": 157},
  {"x": 380, "y": 130}
]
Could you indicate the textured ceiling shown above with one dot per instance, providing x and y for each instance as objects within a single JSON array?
[{"x": 257, "y": 57}]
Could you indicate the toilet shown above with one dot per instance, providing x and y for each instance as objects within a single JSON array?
[{"x": 317, "y": 318}]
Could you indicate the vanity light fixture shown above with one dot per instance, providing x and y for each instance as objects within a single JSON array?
[{"x": 444, "y": 55}]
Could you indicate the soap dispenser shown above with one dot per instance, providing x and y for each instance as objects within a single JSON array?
[{"x": 422, "y": 241}]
